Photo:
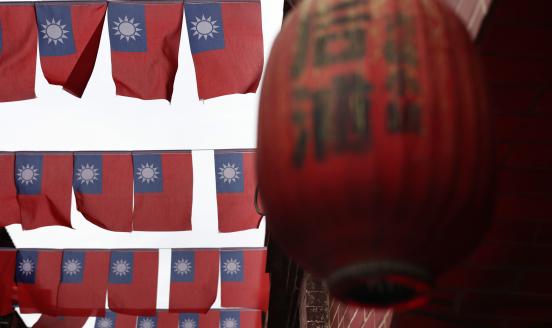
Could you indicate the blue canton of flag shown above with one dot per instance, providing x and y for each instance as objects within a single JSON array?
[
  {"x": 55, "y": 28},
  {"x": 147, "y": 322},
  {"x": 189, "y": 320},
  {"x": 120, "y": 267},
  {"x": 231, "y": 265},
  {"x": 107, "y": 321},
  {"x": 148, "y": 174},
  {"x": 26, "y": 262},
  {"x": 182, "y": 266},
  {"x": 127, "y": 27},
  {"x": 205, "y": 28},
  {"x": 230, "y": 319},
  {"x": 72, "y": 267},
  {"x": 229, "y": 172},
  {"x": 28, "y": 174},
  {"x": 87, "y": 174}
]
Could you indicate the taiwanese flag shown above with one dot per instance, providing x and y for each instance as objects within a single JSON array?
[
  {"x": 17, "y": 51},
  {"x": 7, "y": 284},
  {"x": 226, "y": 41},
  {"x": 236, "y": 184},
  {"x": 103, "y": 189},
  {"x": 194, "y": 280},
  {"x": 240, "y": 319},
  {"x": 162, "y": 319},
  {"x": 69, "y": 37},
  {"x": 144, "y": 41},
  {"x": 9, "y": 208},
  {"x": 163, "y": 188},
  {"x": 132, "y": 285},
  {"x": 115, "y": 320},
  {"x": 245, "y": 283},
  {"x": 83, "y": 283},
  {"x": 37, "y": 277},
  {"x": 43, "y": 184},
  {"x": 46, "y": 321}
]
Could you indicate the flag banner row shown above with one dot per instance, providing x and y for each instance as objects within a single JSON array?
[
  {"x": 225, "y": 39},
  {"x": 162, "y": 319},
  {"x": 123, "y": 191},
  {"x": 75, "y": 282}
]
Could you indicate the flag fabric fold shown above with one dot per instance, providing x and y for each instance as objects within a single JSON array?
[
  {"x": 69, "y": 38},
  {"x": 194, "y": 280},
  {"x": 226, "y": 42},
  {"x": 7, "y": 283},
  {"x": 37, "y": 277},
  {"x": 115, "y": 320},
  {"x": 132, "y": 285},
  {"x": 236, "y": 182},
  {"x": 17, "y": 51},
  {"x": 9, "y": 209},
  {"x": 46, "y": 321},
  {"x": 103, "y": 189},
  {"x": 43, "y": 184},
  {"x": 244, "y": 281},
  {"x": 222, "y": 319},
  {"x": 83, "y": 285},
  {"x": 145, "y": 40},
  {"x": 163, "y": 188}
]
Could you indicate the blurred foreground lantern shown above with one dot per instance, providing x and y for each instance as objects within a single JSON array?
[{"x": 374, "y": 148}]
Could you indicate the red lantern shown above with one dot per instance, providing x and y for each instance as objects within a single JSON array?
[{"x": 374, "y": 148}]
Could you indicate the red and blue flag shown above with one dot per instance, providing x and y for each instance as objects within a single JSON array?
[
  {"x": 69, "y": 37},
  {"x": 194, "y": 280},
  {"x": 240, "y": 319},
  {"x": 17, "y": 51},
  {"x": 7, "y": 283},
  {"x": 244, "y": 281},
  {"x": 9, "y": 210},
  {"x": 103, "y": 189},
  {"x": 144, "y": 40},
  {"x": 132, "y": 285},
  {"x": 163, "y": 188},
  {"x": 226, "y": 41},
  {"x": 37, "y": 278},
  {"x": 236, "y": 182},
  {"x": 43, "y": 184},
  {"x": 83, "y": 285},
  {"x": 115, "y": 320}
]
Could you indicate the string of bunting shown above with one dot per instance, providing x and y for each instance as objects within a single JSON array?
[
  {"x": 225, "y": 39},
  {"x": 74, "y": 282},
  {"x": 227, "y": 318},
  {"x": 123, "y": 191}
]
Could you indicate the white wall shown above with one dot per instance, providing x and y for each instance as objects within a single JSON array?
[{"x": 103, "y": 121}]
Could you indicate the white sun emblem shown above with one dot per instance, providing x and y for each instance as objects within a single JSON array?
[
  {"x": 54, "y": 31},
  {"x": 87, "y": 174},
  {"x": 147, "y": 173},
  {"x": 127, "y": 29},
  {"x": 231, "y": 266},
  {"x": 229, "y": 173},
  {"x": 27, "y": 174},
  {"x": 229, "y": 323},
  {"x": 188, "y": 323},
  {"x": 204, "y": 27},
  {"x": 72, "y": 267},
  {"x": 105, "y": 323},
  {"x": 182, "y": 267},
  {"x": 26, "y": 266},
  {"x": 147, "y": 323},
  {"x": 121, "y": 268}
]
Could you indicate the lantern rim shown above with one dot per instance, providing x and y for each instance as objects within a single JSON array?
[{"x": 382, "y": 284}]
